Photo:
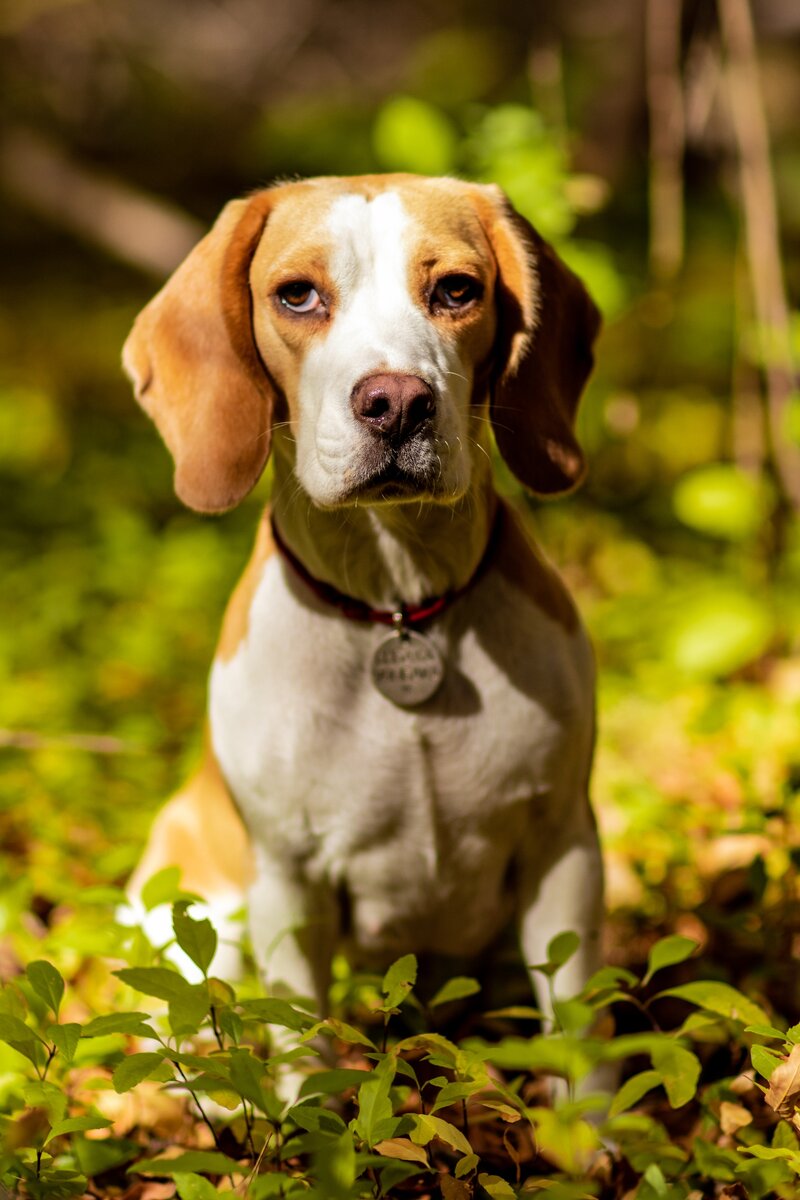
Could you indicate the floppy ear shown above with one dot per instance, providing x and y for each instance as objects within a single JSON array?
[
  {"x": 547, "y": 324},
  {"x": 195, "y": 367}
]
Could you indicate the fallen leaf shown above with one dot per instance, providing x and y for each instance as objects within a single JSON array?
[
  {"x": 733, "y": 1116},
  {"x": 455, "y": 1189},
  {"x": 783, "y": 1093}
]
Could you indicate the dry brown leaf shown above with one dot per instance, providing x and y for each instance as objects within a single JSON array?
[
  {"x": 402, "y": 1148},
  {"x": 783, "y": 1093},
  {"x": 733, "y": 1116},
  {"x": 455, "y": 1189},
  {"x": 148, "y": 1106}
]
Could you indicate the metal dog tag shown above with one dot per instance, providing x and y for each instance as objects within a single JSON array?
[{"x": 407, "y": 668}]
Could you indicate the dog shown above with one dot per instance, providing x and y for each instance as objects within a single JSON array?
[{"x": 401, "y": 707}]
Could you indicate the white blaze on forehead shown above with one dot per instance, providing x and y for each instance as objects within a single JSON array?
[
  {"x": 369, "y": 241},
  {"x": 377, "y": 325}
]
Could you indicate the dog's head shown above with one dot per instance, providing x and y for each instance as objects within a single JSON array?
[{"x": 377, "y": 313}]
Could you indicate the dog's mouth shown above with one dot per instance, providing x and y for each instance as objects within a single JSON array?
[{"x": 394, "y": 482}]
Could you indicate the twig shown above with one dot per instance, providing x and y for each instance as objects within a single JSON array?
[
  {"x": 94, "y": 743},
  {"x": 667, "y": 134},
  {"x": 200, "y": 1108},
  {"x": 762, "y": 237},
  {"x": 140, "y": 229}
]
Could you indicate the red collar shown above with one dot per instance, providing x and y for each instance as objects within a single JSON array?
[{"x": 411, "y": 614}]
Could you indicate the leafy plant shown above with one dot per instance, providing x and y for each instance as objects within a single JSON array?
[{"x": 419, "y": 1106}]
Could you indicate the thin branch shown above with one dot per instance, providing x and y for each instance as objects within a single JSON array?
[
  {"x": 667, "y": 135},
  {"x": 94, "y": 743},
  {"x": 140, "y": 229},
  {"x": 762, "y": 238}
]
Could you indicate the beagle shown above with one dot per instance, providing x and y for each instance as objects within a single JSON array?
[{"x": 401, "y": 715}]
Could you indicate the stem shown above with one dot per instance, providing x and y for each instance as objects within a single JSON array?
[
  {"x": 644, "y": 1009},
  {"x": 665, "y": 104},
  {"x": 248, "y": 1124},
  {"x": 200, "y": 1108},
  {"x": 215, "y": 1027},
  {"x": 762, "y": 237},
  {"x": 50, "y": 1057},
  {"x": 465, "y": 1117}
]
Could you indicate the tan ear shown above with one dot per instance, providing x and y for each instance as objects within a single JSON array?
[
  {"x": 547, "y": 324},
  {"x": 195, "y": 367}
]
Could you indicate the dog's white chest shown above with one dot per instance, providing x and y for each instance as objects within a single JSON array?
[{"x": 341, "y": 784}]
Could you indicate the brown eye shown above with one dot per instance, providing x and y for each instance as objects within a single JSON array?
[
  {"x": 455, "y": 291},
  {"x": 299, "y": 296}
]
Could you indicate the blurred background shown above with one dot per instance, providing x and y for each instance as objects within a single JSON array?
[{"x": 656, "y": 144}]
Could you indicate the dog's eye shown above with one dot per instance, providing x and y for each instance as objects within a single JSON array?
[
  {"x": 455, "y": 291},
  {"x": 300, "y": 296}
]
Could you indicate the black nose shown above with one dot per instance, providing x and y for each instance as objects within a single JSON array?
[{"x": 393, "y": 406}]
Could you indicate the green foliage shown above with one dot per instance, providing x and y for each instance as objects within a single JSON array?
[{"x": 388, "y": 1126}]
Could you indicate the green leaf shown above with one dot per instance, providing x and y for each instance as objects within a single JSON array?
[
  {"x": 496, "y": 1187},
  {"x": 331, "y": 1082},
  {"x": 95, "y": 1155},
  {"x": 765, "y": 1061},
  {"x": 232, "y": 1024},
  {"x": 427, "y": 1127},
  {"x": 156, "y": 981},
  {"x": 655, "y": 1177},
  {"x": 134, "y": 1023},
  {"x": 276, "y": 1012},
  {"x": 450, "y": 1093},
  {"x": 668, "y": 952},
  {"x": 15, "y": 1032},
  {"x": 334, "y": 1164},
  {"x": 187, "y": 1011},
  {"x": 562, "y": 947},
  {"x": 246, "y": 1074},
  {"x": 42, "y": 1094},
  {"x": 455, "y": 989},
  {"x": 569, "y": 1056},
  {"x": 632, "y": 1091},
  {"x": 784, "y": 1137},
  {"x": 722, "y": 999},
  {"x": 679, "y": 1070},
  {"x": 161, "y": 888},
  {"x": 341, "y": 1030},
  {"x": 76, "y": 1124},
  {"x": 769, "y": 1031},
  {"x": 195, "y": 1187},
  {"x": 65, "y": 1038},
  {"x": 715, "y": 1161},
  {"x": 399, "y": 980},
  {"x": 134, "y": 1069},
  {"x": 46, "y": 982},
  {"x": 192, "y": 1162},
  {"x": 559, "y": 951},
  {"x": 197, "y": 939},
  {"x": 314, "y": 1118},
  {"x": 466, "y": 1164},
  {"x": 775, "y": 1152},
  {"x": 374, "y": 1104}
]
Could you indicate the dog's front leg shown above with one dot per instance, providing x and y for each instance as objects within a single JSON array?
[
  {"x": 560, "y": 889},
  {"x": 293, "y": 927}
]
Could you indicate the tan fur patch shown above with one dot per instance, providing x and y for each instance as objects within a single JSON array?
[
  {"x": 237, "y": 615},
  {"x": 200, "y": 831}
]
